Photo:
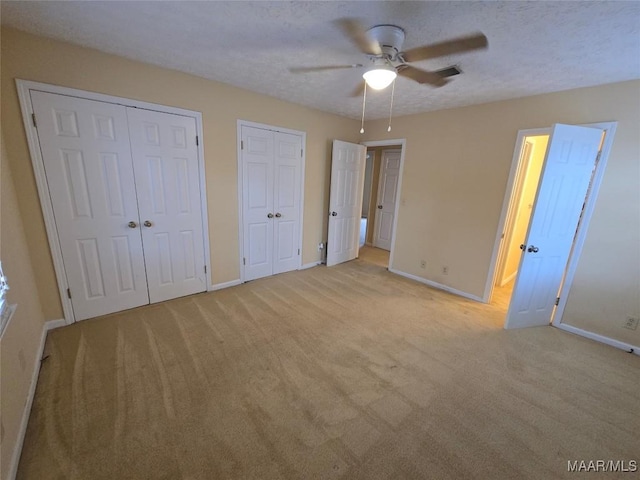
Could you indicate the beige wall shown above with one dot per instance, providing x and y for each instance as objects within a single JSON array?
[
  {"x": 34, "y": 58},
  {"x": 456, "y": 167},
  {"x": 21, "y": 339}
]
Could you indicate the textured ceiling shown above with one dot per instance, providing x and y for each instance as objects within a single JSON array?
[{"x": 534, "y": 47}]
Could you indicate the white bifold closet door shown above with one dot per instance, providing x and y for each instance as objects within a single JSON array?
[
  {"x": 100, "y": 191},
  {"x": 271, "y": 196}
]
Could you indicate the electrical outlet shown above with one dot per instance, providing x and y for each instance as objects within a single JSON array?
[
  {"x": 423, "y": 264},
  {"x": 631, "y": 323},
  {"x": 445, "y": 270},
  {"x": 320, "y": 246}
]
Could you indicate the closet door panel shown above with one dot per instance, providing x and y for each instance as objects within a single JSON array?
[
  {"x": 87, "y": 159},
  {"x": 257, "y": 202},
  {"x": 165, "y": 159},
  {"x": 287, "y": 171}
]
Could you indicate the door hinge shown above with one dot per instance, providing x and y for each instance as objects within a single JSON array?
[
  {"x": 298, "y": 251},
  {"x": 241, "y": 144},
  {"x": 557, "y": 301},
  {"x": 205, "y": 269},
  {"x": 33, "y": 119},
  {"x": 244, "y": 260},
  {"x": 69, "y": 292},
  {"x": 301, "y": 153},
  {"x": 197, "y": 142}
]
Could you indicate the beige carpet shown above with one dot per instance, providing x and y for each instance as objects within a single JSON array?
[{"x": 348, "y": 372}]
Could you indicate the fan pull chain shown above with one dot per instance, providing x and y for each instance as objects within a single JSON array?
[
  {"x": 364, "y": 102},
  {"x": 393, "y": 89}
]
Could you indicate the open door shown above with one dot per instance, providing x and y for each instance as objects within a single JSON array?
[
  {"x": 345, "y": 201},
  {"x": 568, "y": 167}
]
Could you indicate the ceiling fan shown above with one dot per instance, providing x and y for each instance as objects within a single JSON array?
[{"x": 383, "y": 45}]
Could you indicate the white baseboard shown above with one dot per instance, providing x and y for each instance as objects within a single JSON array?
[
  {"x": 15, "y": 459},
  {"x": 508, "y": 279},
  {"x": 220, "y": 286},
  {"x": 437, "y": 285},
  {"x": 599, "y": 338},
  {"x": 310, "y": 265}
]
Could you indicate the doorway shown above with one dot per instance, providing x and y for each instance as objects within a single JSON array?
[
  {"x": 270, "y": 198},
  {"x": 532, "y": 152},
  {"x": 380, "y": 200},
  {"x": 538, "y": 243}
]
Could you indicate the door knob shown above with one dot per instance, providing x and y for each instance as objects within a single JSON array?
[
  {"x": 522, "y": 246},
  {"x": 532, "y": 249},
  {"x": 133, "y": 224},
  {"x": 269, "y": 215},
  {"x": 147, "y": 223},
  {"x": 278, "y": 215},
  {"x": 380, "y": 207},
  {"x": 334, "y": 214}
]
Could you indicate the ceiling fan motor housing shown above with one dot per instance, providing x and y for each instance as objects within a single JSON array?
[{"x": 390, "y": 38}]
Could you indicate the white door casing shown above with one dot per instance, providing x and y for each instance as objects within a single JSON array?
[
  {"x": 345, "y": 201},
  {"x": 567, "y": 171},
  {"x": 387, "y": 197},
  {"x": 167, "y": 176},
  {"x": 87, "y": 159},
  {"x": 271, "y": 165}
]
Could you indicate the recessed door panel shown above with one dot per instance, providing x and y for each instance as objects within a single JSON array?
[{"x": 87, "y": 160}]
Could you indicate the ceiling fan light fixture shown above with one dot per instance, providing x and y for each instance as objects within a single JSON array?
[{"x": 380, "y": 77}]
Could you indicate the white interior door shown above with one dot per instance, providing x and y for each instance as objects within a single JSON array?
[
  {"x": 345, "y": 201},
  {"x": 286, "y": 202},
  {"x": 387, "y": 194},
  {"x": 165, "y": 159},
  {"x": 257, "y": 202},
  {"x": 271, "y": 164},
  {"x": 87, "y": 158},
  {"x": 568, "y": 167}
]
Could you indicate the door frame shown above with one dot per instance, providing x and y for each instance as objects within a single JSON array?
[
  {"x": 272, "y": 128},
  {"x": 26, "y": 107},
  {"x": 403, "y": 148},
  {"x": 514, "y": 185},
  {"x": 581, "y": 232}
]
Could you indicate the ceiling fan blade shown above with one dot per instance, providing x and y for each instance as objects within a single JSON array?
[
  {"x": 353, "y": 29},
  {"x": 457, "y": 45},
  {"x": 421, "y": 76},
  {"x": 323, "y": 68},
  {"x": 358, "y": 90}
]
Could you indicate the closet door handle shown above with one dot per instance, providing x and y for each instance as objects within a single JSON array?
[
  {"x": 269, "y": 215},
  {"x": 132, "y": 225},
  {"x": 147, "y": 223},
  {"x": 334, "y": 214},
  {"x": 278, "y": 215}
]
